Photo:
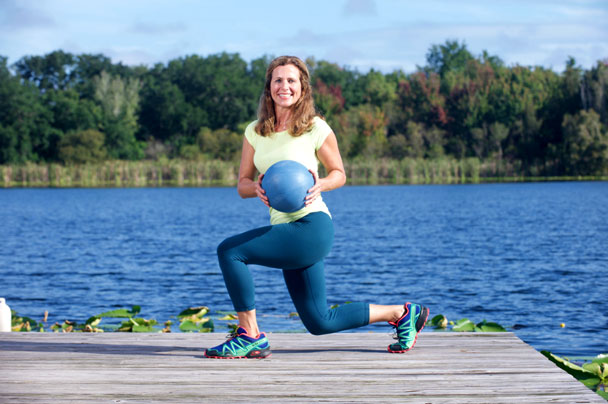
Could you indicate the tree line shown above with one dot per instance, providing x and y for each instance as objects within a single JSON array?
[{"x": 76, "y": 109}]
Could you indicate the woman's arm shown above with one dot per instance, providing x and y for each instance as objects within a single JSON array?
[
  {"x": 247, "y": 187},
  {"x": 329, "y": 155}
]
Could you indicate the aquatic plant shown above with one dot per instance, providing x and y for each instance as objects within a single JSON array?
[
  {"x": 193, "y": 320},
  {"x": 25, "y": 324},
  {"x": 593, "y": 373},
  {"x": 132, "y": 324},
  {"x": 465, "y": 325},
  {"x": 228, "y": 316}
]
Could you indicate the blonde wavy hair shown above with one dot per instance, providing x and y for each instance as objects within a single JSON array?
[{"x": 303, "y": 111}]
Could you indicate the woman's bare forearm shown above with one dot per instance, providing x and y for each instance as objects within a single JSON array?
[{"x": 246, "y": 188}]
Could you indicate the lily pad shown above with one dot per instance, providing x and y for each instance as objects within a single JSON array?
[
  {"x": 194, "y": 311},
  {"x": 487, "y": 326},
  {"x": 464, "y": 324},
  {"x": 579, "y": 373},
  {"x": 440, "y": 321},
  {"x": 120, "y": 313},
  {"x": 191, "y": 326}
]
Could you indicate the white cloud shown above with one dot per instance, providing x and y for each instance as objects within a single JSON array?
[{"x": 17, "y": 16}]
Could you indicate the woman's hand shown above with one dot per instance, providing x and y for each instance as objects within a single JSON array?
[
  {"x": 260, "y": 191},
  {"x": 315, "y": 191}
]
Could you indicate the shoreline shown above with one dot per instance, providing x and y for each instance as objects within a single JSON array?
[{"x": 219, "y": 173}]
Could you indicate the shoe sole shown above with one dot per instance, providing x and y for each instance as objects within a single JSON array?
[
  {"x": 420, "y": 323},
  {"x": 256, "y": 354}
]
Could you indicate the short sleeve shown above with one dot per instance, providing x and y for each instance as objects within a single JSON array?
[
  {"x": 251, "y": 135},
  {"x": 320, "y": 132}
]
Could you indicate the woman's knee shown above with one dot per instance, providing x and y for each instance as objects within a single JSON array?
[
  {"x": 227, "y": 253},
  {"x": 230, "y": 245},
  {"x": 317, "y": 325},
  {"x": 223, "y": 248}
]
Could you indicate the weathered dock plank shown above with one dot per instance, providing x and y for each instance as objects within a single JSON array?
[{"x": 345, "y": 367}]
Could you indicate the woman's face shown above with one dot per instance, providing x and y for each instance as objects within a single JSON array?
[{"x": 285, "y": 86}]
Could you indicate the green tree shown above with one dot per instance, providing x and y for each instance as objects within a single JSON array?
[
  {"x": 165, "y": 115},
  {"x": 70, "y": 112},
  {"x": 414, "y": 137},
  {"x": 257, "y": 76},
  {"x": 119, "y": 100},
  {"x": 594, "y": 90},
  {"x": 397, "y": 146},
  {"x": 487, "y": 139},
  {"x": 52, "y": 71},
  {"x": 220, "y": 85},
  {"x": 86, "y": 68},
  {"x": 585, "y": 148},
  {"x": 334, "y": 76},
  {"x": 525, "y": 140},
  {"x": 450, "y": 57},
  {"x": 25, "y": 130},
  {"x": 82, "y": 147},
  {"x": 378, "y": 90},
  {"x": 419, "y": 98},
  {"x": 571, "y": 87},
  {"x": 493, "y": 61},
  {"x": 363, "y": 131},
  {"x": 221, "y": 143},
  {"x": 497, "y": 135}
]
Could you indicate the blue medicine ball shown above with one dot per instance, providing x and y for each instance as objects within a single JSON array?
[{"x": 286, "y": 184}]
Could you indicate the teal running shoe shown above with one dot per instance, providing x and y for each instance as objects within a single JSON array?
[
  {"x": 241, "y": 345},
  {"x": 408, "y": 327}
]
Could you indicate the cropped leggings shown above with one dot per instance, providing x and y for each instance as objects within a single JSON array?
[{"x": 298, "y": 248}]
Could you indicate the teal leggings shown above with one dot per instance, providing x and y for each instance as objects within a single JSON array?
[{"x": 298, "y": 248}]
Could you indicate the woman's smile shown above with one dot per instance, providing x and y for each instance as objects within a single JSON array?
[{"x": 285, "y": 87}]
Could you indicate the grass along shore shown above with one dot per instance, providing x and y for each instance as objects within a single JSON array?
[{"x": 186, "y": 173}]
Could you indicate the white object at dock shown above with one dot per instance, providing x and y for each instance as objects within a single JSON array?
[{"x": 5, "y": 316}]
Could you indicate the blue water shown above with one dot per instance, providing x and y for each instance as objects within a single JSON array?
[{"x": 528, "y": 256}]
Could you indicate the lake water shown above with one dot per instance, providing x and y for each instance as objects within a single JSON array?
[{"x": 529, "y": 256}]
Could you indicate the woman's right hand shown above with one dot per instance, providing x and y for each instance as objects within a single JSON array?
[{"x": 260, "y": 191}]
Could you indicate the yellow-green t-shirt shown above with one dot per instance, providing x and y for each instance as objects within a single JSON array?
[{"x": 282, "y": 146}]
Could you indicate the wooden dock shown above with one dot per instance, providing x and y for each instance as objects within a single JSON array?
[{"x": 338, "y": 368}]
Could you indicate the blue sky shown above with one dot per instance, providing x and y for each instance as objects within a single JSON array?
[{"x": 385, "y": 35}]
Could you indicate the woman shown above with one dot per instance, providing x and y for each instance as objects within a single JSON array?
[{"x": 288, "y": 129}]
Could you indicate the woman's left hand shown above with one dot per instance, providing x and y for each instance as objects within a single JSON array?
[
  {"x": 260, "y": 192},
  {"x": 315, "y": 191}
]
